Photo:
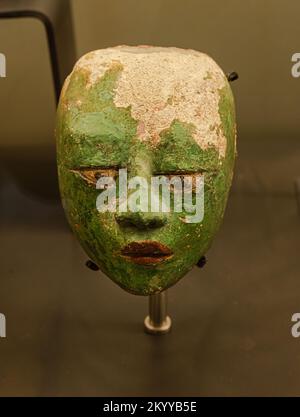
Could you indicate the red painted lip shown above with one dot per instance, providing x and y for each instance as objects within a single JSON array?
[{"x": 146, "y": 252}]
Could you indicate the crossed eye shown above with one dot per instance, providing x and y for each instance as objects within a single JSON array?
[
  {"x": 179, "y": 180},
  {"x": 92, "y": 175}
]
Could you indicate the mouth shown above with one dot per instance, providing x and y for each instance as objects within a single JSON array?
[{"x": 146, "y": 252}]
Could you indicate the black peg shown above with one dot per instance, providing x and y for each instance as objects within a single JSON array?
[
  {"x": 201, "y": 262},
  {"x": 91, "y": 265},
  {"x": 232, "y": 76}
]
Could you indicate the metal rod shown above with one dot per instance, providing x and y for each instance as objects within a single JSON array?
[
  {"x": 56, "y": 16},
  {"x": 158, "y": 322},
  {"x": 297, "y": 192}
]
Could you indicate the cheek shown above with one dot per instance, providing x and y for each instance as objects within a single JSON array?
[
  {"x": 106, "y": 231},
  {"x": 106, "y": 224},
  {"x": 184, "y": 236}
]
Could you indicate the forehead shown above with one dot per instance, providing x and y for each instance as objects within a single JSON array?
[{"x": 159, "y": 86}]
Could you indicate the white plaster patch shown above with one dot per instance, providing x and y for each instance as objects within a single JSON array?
[{"x": 162, "y": 85}]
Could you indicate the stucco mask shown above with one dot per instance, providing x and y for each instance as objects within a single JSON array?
[{"x": 152, "y": 112}]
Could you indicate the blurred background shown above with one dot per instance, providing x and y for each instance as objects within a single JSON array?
[{"x": 71, "y": 331}]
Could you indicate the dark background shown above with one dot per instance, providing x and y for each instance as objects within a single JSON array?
[{"x": 71, "y": 331}]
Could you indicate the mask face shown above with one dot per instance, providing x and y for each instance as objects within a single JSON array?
[{"x": 146, "y": 113}]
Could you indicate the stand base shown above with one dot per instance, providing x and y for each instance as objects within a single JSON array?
[{"x": 162, "y": 328}]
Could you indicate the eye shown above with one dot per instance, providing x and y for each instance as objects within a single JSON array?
[
  {"x": 182, "y": 175},
  {"x": 92, "y": 174}
]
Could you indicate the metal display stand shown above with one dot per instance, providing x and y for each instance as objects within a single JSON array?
[
  {"x": 56, "y": 16},
  {"x": 158, "y": 322}
]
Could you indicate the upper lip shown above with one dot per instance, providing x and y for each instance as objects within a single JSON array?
[{"x": 146, "y": 252}]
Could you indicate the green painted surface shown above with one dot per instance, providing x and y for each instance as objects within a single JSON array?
[{"x": 93, "y": 133}]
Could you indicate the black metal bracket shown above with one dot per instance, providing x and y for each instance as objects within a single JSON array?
[
  {"x": 91, "y": 265},
  {"x": 56, "y": 16},
  {"x": 202, "y": 262},
  {"x": 297, "y": 192},
  {"x": 232, "y": 76}
]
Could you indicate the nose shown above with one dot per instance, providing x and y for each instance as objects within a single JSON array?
[
  {"x": 141, "y": 220},
  {"x": 141, "y": 165}
]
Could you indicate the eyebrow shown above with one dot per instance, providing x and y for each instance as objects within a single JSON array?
[
  {"x": 183, "y": 171},
  {"x": 95, "y": 167}
]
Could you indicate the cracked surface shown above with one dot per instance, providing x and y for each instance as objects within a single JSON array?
[{"x": 161, "y": 85}]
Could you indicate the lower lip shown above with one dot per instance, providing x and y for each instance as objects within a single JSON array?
[
  {"x": 137, "y": 253},
  {"x": 147, "y": 260}
]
